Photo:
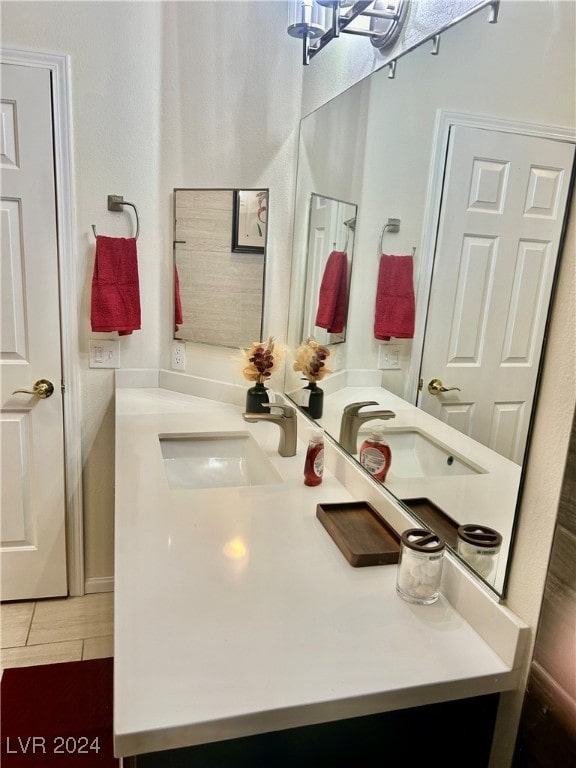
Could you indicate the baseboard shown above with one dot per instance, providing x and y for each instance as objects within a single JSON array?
[{"x": 99, "y": 584}]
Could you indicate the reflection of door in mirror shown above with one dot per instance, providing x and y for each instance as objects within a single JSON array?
[
  {"x": 329, "y": 265},
  {"x": 219, "y": 280},
  {"x": 500, "y": 228}
]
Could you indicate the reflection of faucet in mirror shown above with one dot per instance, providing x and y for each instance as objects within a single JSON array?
[
  {"x": 287, "y": 422},
  {"x": 352, "y": 419}
]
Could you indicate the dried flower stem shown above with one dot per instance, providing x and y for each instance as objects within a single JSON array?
[{"x": 262, "y": 361}]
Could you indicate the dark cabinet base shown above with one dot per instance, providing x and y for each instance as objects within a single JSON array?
[{"x": 454, "y": 733}]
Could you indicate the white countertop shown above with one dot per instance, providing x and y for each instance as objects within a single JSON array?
[{"x": 211, "y": 647}]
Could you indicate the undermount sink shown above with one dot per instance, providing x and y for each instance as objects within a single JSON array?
[
  {"x": 417, "y": 454},
  {"x": 215, "y": 460}
]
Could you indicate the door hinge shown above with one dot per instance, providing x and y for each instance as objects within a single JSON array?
[{"x": 62, "y": 387}]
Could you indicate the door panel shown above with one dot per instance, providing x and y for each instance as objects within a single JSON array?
[
  {"x": 13, "y": 323},
  {"x": 501, "y": 221},
  {"x": 33, "y": 555}
]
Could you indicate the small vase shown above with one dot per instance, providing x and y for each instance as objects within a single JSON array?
[
  {"x": 314, "y": 397},
  {"x": 255, "y": 396}
]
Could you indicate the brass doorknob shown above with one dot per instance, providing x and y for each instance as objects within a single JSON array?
[
  {"x": 436, "y": 386},
  {"x": 42, "y": 389}
]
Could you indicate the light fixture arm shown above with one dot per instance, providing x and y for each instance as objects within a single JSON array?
[{"x": 390, "y": 13}]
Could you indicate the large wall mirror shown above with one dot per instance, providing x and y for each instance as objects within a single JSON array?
[
  {"x": 219, "y": 265},
  {"x": 461, "y": 175}
]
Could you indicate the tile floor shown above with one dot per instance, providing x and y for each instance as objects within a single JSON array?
[{"x": 55, "y": 630}]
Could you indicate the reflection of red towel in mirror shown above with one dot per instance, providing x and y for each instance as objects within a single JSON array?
[
  {"x": 395, "y": 305},
  {"x": 332, "y": 299},
  {"x": 178, "y": 319},
  {"x": 115, "y": 287}
]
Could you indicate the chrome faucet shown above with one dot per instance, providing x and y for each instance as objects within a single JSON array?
[
  {"x": 287, "y": 422},
  {"x": 352, "y": 420}
]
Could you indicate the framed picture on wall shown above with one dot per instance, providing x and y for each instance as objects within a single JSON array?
[{"x": 249, "y": 220}]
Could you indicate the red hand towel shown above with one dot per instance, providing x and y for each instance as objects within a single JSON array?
[
  {"x": 115, "y": 286},
  {"x": 332, "y": 299},
  {"x": 178, "y": 318},
  {"x": 395, "y": 305}
]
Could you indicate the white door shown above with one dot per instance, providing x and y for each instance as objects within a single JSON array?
[
  {"x": 501, "y": 221},
  {"x": 33, "y": 544}
]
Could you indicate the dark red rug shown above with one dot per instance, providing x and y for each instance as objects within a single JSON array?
[{"x": 58, "y": 715}]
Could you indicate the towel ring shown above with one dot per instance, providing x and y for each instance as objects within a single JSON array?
[
  {"x": 393, "y": 225},
  {"x": 115, "y": 203}
]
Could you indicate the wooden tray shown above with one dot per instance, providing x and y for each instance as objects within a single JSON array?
[
  {"x": 436, "y": 519},
  {"x": 362, "y": 536}
]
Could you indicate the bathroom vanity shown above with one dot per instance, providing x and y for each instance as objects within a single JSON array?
[{"x": 243, "y": 636}]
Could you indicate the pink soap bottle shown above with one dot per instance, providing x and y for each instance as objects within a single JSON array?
[
  {"x": 376, "y": 456},
  {"x": 314, "y": 464}
]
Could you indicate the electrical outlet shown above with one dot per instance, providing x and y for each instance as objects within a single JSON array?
[{"x": 178, "y": 356}]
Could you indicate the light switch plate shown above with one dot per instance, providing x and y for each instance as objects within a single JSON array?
[
  {"x": 104, "y": 353},
  {"x": 389, "y": 357}
]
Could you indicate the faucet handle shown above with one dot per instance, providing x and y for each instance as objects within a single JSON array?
[
  {"x": 352, "y": 408},
  {"x": 288, "y": 411}
]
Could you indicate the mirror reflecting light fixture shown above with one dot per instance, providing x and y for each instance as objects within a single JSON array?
[{"x": 317, "y": 22}]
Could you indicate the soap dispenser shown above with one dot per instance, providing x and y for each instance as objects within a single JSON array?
[
  {"x": 375, "y": 455},
  {"x": 314, "y": 463}
]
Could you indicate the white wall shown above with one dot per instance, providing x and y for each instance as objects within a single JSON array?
[
  {"x": 164, "y": 95},
  {"x": 230, "y": 119}
]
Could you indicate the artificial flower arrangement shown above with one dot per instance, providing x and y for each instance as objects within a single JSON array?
[
  {"x": 310, "y": 357},
  {"x": 262, "y": 360}
]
